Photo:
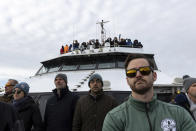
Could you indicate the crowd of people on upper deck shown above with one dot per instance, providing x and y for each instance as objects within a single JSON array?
[{"x": 95, "y": 44}]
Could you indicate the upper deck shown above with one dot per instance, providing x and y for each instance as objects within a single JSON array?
[{"x": 92, "y": 59}]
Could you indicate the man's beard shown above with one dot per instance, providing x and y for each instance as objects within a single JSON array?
[
  {"x": 193, "y": 95},
  {"x": 142, "y": 90}
]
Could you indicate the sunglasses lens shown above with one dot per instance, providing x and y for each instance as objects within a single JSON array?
[
  {"x": 145, "y": 70},
  {"x": 17, "y": 92},
  {"x": 131, "y": 73}
]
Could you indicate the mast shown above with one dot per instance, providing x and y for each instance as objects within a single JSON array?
[{"x": 103, "y": 31}]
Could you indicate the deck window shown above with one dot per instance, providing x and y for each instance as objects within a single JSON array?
[
  {"x": 87, "y": 66},
  {"x": 42, "y": 70},
  {"x": 121, "y": 64},
  {"x": 69, "y": 67},
  {"x": 53, "y": 69},
  {"x": 106, "y": 65}
]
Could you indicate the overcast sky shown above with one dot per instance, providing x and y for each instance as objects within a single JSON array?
[{"x": 34, "y": 30}]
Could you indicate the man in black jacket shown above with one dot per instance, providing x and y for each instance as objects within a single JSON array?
[
  {"x": 8, "y": 119},
  {"x": 92, "y": 108},
  {"x": 60, "y": 107}
]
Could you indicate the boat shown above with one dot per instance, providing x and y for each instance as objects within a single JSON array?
[{"x": 107, "y": 61}]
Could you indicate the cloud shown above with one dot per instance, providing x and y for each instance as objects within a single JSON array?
[{"x": 34, "y": 30}]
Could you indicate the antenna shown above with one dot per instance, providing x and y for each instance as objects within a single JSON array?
[{"x": 103, "y": 32}]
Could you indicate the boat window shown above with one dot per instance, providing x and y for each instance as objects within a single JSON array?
[
  {"x": 87, "y": 66},
  {"x": 121, "y": 64},
  {"x": 69, "y": 67},
  {"x": 42, "y": 70},
  {"x": 106, "y": 65},
  {"x": 53, "y": 69}
]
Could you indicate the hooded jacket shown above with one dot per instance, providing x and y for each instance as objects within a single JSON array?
[{"x": 181, "y": 100}]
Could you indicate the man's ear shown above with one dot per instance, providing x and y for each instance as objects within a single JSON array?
[
  {"x": 127, "y": 80},
  {"x": 154, "y": 75}
]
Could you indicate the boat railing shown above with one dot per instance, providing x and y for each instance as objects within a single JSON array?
[{"x": 102, "y": 49}]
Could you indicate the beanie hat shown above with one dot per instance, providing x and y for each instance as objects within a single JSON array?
[
  {"x": 95, "y": 76},
  {"x": 23, "y": 86},
  {"x": 188, "y": 82},
  {"x": 185, "y": 76},
  {"x": 63, "y": 76}
]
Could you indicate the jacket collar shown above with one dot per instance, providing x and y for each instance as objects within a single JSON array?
[
  {"x": 142, "y": 106},
  {"x": 98, "y": 96},
  {"x": 8, "y": 95},
  {"x": 63, "y": 92}
]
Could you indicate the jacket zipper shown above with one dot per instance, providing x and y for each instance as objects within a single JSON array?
[{"x": 149, "y": 122}]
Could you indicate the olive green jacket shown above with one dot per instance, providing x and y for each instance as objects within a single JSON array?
[
  {"x": 6, "y": 98},
  {"x": 134, "y": 115}
]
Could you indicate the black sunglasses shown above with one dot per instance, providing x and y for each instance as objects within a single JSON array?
[
  {"x": 146, "y": 70},
  {"x": 17, "y": 91}
]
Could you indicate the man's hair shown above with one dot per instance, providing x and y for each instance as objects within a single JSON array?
[
  {"x": 13, "y": 81},
  {"x": 138, "y": 56}
]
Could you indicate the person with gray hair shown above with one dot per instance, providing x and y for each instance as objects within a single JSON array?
[
  {"x": 187, "y": 100},
  {"x": 8, "y": 96},
  {"x": 92, "y": 108},
  {"x": 60, "y": 106}
]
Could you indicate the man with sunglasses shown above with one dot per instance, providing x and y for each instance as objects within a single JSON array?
[
  {"x": 142, "y": 111},
  {"x": 8, "y": 96},
  {"x": 92, "y": 108}
]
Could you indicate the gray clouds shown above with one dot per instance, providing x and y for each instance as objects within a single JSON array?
[{"x": 34, "y": 30}]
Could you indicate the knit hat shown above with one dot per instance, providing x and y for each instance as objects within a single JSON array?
[
  {"x": 23, "y": 86},
  {"x": 95, "y": 76},
  {"x": 188, "y": 82},
  {"x": 185, "y": 76},
  {"x": 63, "y": 76}
]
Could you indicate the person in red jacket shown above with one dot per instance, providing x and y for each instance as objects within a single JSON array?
[{"x": 62, "y": 50}]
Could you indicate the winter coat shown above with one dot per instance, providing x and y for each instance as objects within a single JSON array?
[
  {"x": 135, "y": 115},
  {"x": 91, "y": 111},
  {"x": 8, "y": 119},
  {"x": 59, "y": 111},
  {"x": 6, "y": 98},
  {"x": 29, "y": 112},
  {"x": 181, "y": 100}
]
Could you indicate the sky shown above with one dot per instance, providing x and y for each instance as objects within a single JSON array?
[{"x": 32, "y": 31}]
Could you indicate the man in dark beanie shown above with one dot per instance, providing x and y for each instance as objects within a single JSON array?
[
  {"x": 188, "y": 99},
  {"x": 92, "y": 108},
  {"x": 60, "y": 107}
]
